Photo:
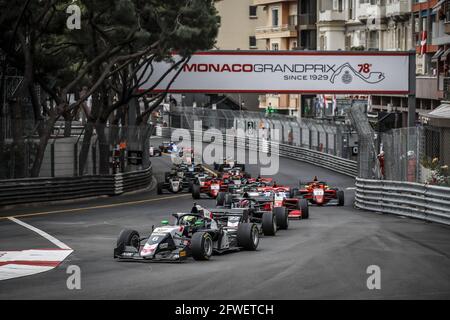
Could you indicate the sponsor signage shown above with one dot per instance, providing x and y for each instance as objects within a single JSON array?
[{"x": 286, "y": 72}]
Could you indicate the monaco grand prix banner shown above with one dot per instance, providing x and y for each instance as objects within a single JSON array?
[{"x": 285, "y": 72}]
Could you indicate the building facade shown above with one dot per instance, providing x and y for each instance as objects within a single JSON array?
[
  {"x": 290, "y": 25},
  {"x": 239, "y": 21}
]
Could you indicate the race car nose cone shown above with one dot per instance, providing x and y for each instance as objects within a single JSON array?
[{"x": 148, "y": 250}]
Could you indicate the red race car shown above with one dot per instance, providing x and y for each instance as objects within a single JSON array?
[
  {"x": 271, "y": 197},
  {"x": 318, "y": 192},
  {"x": 210, "y": 186}
]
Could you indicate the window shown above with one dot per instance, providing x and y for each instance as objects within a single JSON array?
[
  {"x": 252, "y": 41},
  {"x": 253, "y": 11},
  {"x": 275, "y": 46},
  {"x": 275, "y": 17}
]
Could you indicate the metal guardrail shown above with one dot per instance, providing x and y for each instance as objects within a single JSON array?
[
  {"x": 20, "y": 191},
  {"x": 331, "y": 162},
  {"x": 426, "y": 202}
]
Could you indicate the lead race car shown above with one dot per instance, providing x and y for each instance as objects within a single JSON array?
[
  {"x": 197, "y": 234},
  {"x": 319, "y": 193}
]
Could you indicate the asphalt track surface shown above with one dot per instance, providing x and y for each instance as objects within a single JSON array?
[{"x": 325, "y": 257}]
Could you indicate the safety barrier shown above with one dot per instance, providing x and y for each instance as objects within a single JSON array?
[
  {"x": 331, "y": 162},
  {"x": 426, "y": 202},
  {"x": 19, "y": 191}
]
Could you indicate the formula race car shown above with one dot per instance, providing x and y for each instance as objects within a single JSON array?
[
  {"x": 270, "y": 198},
  {"x": 318, "y": 192},
  {"x": 268, "y": 220},
  {"x": 191, "y": 170},
  {"x": 197, "y": 234},
  {"x": 210, "y": 186},
  {"x": 167, "y": 146},
  {"x": 153, "y": 152},
  {"x": 174, "y": 184},
  {"x": 227, "y": 165}
]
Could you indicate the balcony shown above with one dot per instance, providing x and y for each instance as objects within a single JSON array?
[
  {"x": 427, "y": 87},
  {"x": 332, "y": 15},
  {"x": 283, "y": 31},
  {"x": 399, "y": 8},
  {"x": 369, "y": 11}
]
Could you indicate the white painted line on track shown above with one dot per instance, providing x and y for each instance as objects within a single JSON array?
[
  {"x": 16, "y": 264},
  {"x": 350, "y": 188},
  {"x": 50, "y": 238}
]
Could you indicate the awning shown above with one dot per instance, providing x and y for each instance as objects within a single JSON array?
[
  {"x": 445, "y": 55},
  {"x": 439, "y": 117},
  {"x": 436, "y": 56},
  {"x": 438, "y": 5}
]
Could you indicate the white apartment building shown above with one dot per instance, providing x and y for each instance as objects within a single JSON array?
[{"x": 364, "y": 25}]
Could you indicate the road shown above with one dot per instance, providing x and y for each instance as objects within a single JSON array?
[{"x": 325, "y": 257}]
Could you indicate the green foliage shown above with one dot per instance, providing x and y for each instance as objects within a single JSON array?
[{"x": 183, "y": 26}]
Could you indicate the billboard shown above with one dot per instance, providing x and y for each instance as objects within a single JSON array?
[{"x": 286, "y": 72}]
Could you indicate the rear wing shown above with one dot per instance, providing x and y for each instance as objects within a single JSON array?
[{"x": 233, "y": 212}]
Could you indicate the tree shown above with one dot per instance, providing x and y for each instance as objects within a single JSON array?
[{"x": 117, "y": 38}]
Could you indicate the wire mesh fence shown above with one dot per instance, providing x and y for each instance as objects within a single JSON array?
[
  {"x": 334, "y": 138},
  {"x": 82, "y": 150},
  {"x": 415, "y": 154}
]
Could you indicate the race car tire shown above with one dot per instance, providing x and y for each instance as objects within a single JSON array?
[
  {"x": 228, "y": 201},
  {"x": 201, "y": 246},
  {"x": 220, "y": 200},
  {"x": 269, "y": 224},
  {"x": 191, "y": 185},
  {"x": 341, "y": 198},
  {"x": 282, "y": 216},
  {"x": 129, "y": 238},
  {"x": 304, "y": 208},
  {"x": 166, "y": 176},
  {"x": 159, "y": 187},
  {"x": 196, "y": 191},
  {"x": 248, "y": 236},
  {"x": 293, "y": 192}
]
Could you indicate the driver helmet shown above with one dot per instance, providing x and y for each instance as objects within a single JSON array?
[
  {"x": 244, "y": 203},
  {"x": 190, "y": 220}
]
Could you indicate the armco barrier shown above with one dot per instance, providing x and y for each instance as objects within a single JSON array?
[
  {"x": 21, "y": 191},
  {"x": 426, "y": 202},
  {"x": 331, "y": 162}
]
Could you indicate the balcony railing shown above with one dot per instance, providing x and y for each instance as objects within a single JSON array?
[
  {"x": 398, "y": 8},
  {"x": 333, "y": 15},
  {"x": 367, "y": 10},
  {"x": 275, "y": 29},
  {"x": 427, "y": 87}
]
